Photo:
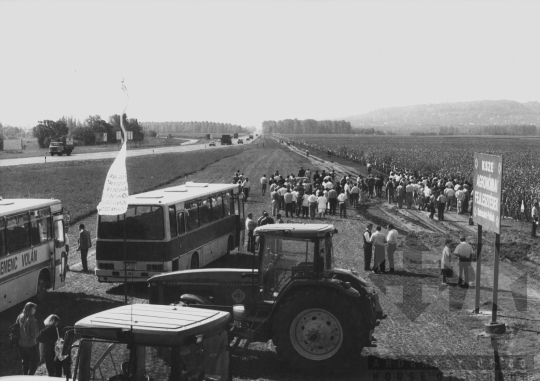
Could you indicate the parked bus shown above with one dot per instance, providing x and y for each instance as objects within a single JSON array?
[
  {"x": 32, "y": 249},
  {"x": 176, "y": 228}
]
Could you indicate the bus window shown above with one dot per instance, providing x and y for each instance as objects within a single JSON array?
[
  {"x": 172, "y": 221},
  {"x": 143, "y": 222},
  {"x": 59, "y": 233},
  {"x": 227, "y": 204},
  {"x": 181, "y": 223},
  {"x": 18, "y": 229},
  {"x": 217, "y": 207},
  {"x": 3, "y": 248},
  {"x": 205, "y": 210},
  {"x": 192, "y": 215},
  {"x": 40, "y": 226}
]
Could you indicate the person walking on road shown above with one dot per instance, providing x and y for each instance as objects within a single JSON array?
[
  {"x": 28, "y": 336},
  {"x": 391, "y": 238},
  {"x": 264, "y": 183},
  {"x": 47, "y": 338},
  {"x": 378, "y": 240},
  {"x": 368, "y": 247},
  {"x": 246, "y": 185},
  {"x": 85, "y": 243},
  {"x": 464, "y": 252},
  {"x": 534, "y": 215}
]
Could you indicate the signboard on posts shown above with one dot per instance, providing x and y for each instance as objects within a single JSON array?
[{"x": 487, "y": 185}]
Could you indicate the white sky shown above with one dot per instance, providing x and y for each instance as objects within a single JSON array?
[{"x": 243, "y": 62}]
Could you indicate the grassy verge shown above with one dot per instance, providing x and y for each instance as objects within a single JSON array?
[{"x": 79, "y": 184}]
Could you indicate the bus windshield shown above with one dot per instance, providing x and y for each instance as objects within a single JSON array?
[{"x": 143, "y": 222}]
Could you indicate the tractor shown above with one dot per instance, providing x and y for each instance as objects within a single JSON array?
[{"x": 318, "y": 317}]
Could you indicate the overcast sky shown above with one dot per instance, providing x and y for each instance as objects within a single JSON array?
[{"x": 243, "y": 62}]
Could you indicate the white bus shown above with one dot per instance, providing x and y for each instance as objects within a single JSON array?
[
  {"x": 32, "y": 249},
  {"x": 176, "y": 228}
]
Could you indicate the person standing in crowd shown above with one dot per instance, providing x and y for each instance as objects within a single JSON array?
[
  {"x": 432, "y": 202},
  {"x": 301, "y": 172},
  {"x": 534, "y": 215},
  {"x": 305, "y": 204},
  {"x": 464, "y": 252},
  {"x": 250, "y": 227},
  {"x": 446, "y": 266},
  {"x": 459, "y": 199},
  {"x": 390, "y": 190},
  {"x": 378, "y": 240},
  {"x": 409, "y": 189},
  {"x": 85, "y": 243},
  {"x": 246, "y": 185},
  {"x": 342, "y": 200},
  {"x": 275, "y": 201},
  {"x": 363, "y": 191},
  {"x": 288, "y": 203},
  {"x": 282, "y": 192},
  {"x": 400, "y": 193},
  {"x": 332, "y": 201},
  {"x": 465, "y": 203},
  {"x": 312, "y": 199},
  {"x": 28, "y": 344},
  {"x": 371, "y": 186},
  {"x": 441, "y": 204},
  {"x": 449, "y": 193},
  {"x": 379, "y": 186},
  {"x": 47, "y": 338},
  {"x": 392, "y": 239},
  {"x": 427, "y": 196},
  {"x": 369, "y": 168},
  {"x": 322, "y": 201},
  {"x": 264, "y": 182},
  {"x": 355, "y": 195},
  {"x": 368, "y": 247}
]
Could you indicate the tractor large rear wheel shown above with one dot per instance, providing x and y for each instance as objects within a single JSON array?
[{"x": 318, "y": 330}]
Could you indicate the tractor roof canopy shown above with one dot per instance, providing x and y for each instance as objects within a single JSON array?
[
  {"x": 296, "y": 230},
  {"x": 153, "y": 324}
]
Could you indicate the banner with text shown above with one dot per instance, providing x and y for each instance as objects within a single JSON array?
[
  {"x": 488, "y": 174},
  {"x": 115, "y": 192}
]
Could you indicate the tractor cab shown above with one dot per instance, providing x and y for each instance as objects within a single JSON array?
[
  {"x": 290, "y": 252},
  {"x": 142, "y": 342}
]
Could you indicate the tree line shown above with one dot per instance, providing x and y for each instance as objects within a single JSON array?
[
  {"x": 197, "y": 127},
  {"x": 85, "y": 132},
  {"x": 307, "y": 126}
]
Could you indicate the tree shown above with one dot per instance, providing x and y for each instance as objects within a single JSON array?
[
  {"x": 129, "y": 124},
  {"x": 98, "y": 125},
  {"x": 48, "y": 130}
]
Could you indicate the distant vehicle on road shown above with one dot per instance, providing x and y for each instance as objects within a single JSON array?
[
  {"x": 212, "y": 144},
  {"x": 235, "y": 135},
  {"x": 240, "y": 141},
  {"x": 251, "y": 136},
  {"x": 61, "y": 147},
  {"x": 226, "y": 140}
]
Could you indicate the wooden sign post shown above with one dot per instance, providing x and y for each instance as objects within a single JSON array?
[{"x": 488, "y": 175}]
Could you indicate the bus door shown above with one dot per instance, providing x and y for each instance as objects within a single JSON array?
[{"x": 59, "y": 255}]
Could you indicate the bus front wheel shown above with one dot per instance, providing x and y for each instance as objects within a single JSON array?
[{"x": 194, "y": 261}]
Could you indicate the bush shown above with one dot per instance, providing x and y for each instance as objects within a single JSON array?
[{"x": 152, "y": 133}]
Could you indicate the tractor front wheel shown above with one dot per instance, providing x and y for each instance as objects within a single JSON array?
[{"x": 318, "y": 330}]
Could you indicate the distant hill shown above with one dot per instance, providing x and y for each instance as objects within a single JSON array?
[{"x": 433, "y": 116}]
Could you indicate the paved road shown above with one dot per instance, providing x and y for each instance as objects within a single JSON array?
[{"x": 185, "y": 147}]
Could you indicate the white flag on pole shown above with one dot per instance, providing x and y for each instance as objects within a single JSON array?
[{"x": 115, "y": 191}]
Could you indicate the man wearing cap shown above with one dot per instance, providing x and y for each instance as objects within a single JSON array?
[
  {"x": 367, "y": 247},
  {"x": 464, "y": 252},
  {"x": 534, "y": 215}
]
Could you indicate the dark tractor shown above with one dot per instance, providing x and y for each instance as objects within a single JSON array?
[{"x": 318, "y": 317}]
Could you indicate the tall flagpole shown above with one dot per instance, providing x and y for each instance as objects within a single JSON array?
[{"x": 115, "y": 191}]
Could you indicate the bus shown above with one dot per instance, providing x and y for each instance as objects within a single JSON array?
[
  {"x": 32, "y": 249},
  {"x": 175, "y": 228}
]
